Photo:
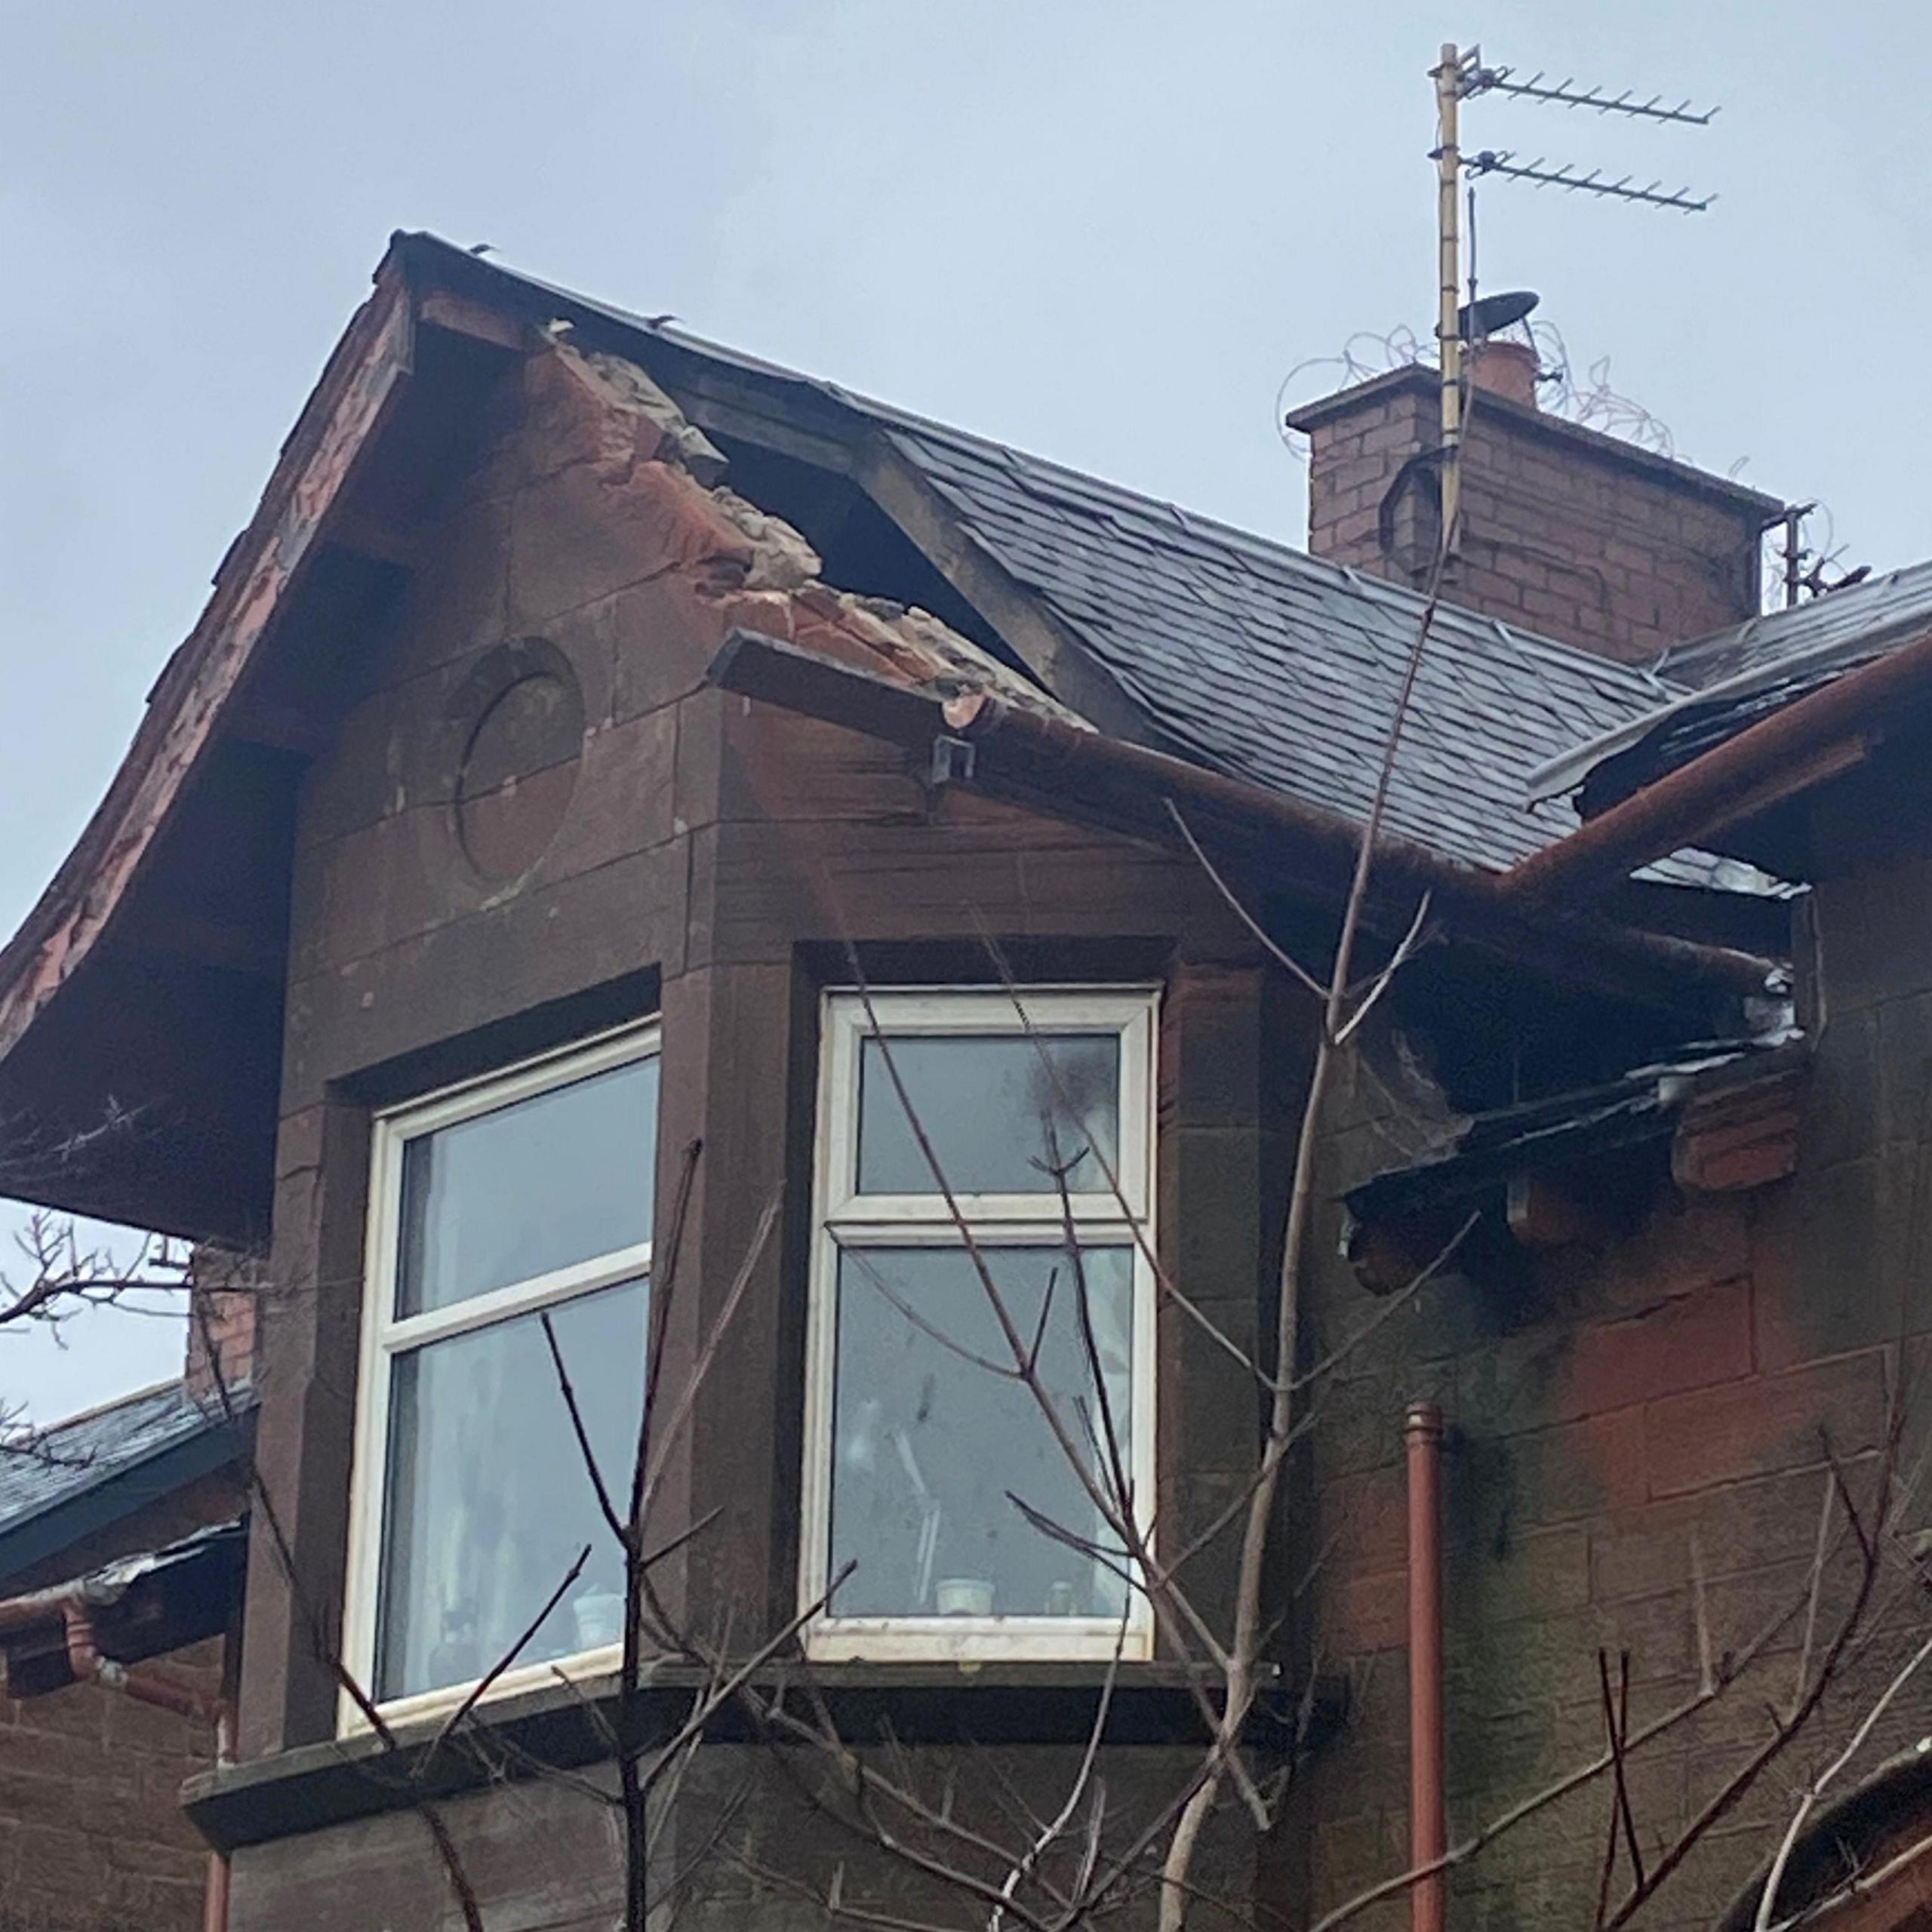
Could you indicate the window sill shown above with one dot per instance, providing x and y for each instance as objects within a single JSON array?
[{"x": 995, "y": 1703}]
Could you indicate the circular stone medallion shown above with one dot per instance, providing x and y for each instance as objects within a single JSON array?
[{"x": 520, "y": 767}]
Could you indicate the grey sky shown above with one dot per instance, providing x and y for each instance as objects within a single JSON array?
[{"x": 1103, "y": 229}]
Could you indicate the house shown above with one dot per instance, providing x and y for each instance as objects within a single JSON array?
[
  {"x": 118, "y": 1529},
  {"x": 652, "y": 868}
]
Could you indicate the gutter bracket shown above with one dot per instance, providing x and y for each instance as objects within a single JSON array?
[{"x": 953, "y": 761}]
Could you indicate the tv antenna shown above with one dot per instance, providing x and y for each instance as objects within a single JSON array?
[{"x": 1461, "y": 74}]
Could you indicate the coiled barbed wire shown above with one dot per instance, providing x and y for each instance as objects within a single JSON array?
[{"x": 1590, "y": 401}]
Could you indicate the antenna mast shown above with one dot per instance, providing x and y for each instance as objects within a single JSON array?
[
  {"x": 1460, "y": 75},
  {"x": 1448, "y": 74}
]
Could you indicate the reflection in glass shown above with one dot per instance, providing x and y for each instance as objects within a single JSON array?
[
  {"x": 985, "y": 1102},
  {"x": 929, "y": 1446},
  {"x": 488, "y": 1499},
  {"x": 561, "y": 1178}
]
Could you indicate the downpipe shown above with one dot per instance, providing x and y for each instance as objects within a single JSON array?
[
  {"x": 154, "y": 1684},
  {"x": 1428, "y": 1825}
]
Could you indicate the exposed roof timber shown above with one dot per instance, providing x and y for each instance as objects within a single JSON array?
[
  {"x": 724, "y": 402},
  {"x": 1055, "y": 657},
  {"x": 1825, "y": 732},
  {"x": 1560, "y": 1129},
  {"x": 443, "y": 308},
  {"x": 1038, "y": 755},
  {"x": 721, "y": 406}
]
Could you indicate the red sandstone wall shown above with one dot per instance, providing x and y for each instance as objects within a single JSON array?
[
  {"x": 92, "y": 1838},
  {"x": 1627, "y": 1422}
]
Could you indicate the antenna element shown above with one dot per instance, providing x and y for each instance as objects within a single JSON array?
[{"x": 1460, "y": 75}]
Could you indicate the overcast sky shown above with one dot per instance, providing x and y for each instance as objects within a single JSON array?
[{"x": 1103, "y": 229}]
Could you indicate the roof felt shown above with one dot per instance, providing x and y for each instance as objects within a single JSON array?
[
  {"x": 1716, "y": 686},
  {"x": 141, "y": 1606},
  {"x": 1640, "y": 1105},
  {"x": 1252, "y": 657},
  {"x": 153, "y": 1435}
]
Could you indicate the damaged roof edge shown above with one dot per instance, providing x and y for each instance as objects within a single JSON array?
[
  {"x": 363, "y": 375},
  {"x": 1643, "y": 1104},
  {"x": 1560, "y": 776},
  {"x": 343, "y": 420},
  {"x": 776, "y": 672},
  {"x": 1813, "y": 737}
]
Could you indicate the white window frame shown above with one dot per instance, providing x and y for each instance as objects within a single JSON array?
[
  {"x": 843, "y": 1218},
  {"x": 385, "y": 1336}
]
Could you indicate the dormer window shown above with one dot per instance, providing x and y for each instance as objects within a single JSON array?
[
  {"x": 924, "y": 1438},
  {"x": 492, "y": 1204}
]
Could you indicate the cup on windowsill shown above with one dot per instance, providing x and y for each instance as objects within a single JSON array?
[
  {"x": 964, "y": 1596},
  {"x": 600, "y": 1618}
]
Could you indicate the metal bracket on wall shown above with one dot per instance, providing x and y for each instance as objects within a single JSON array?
[{"x": 952, "y": 761}]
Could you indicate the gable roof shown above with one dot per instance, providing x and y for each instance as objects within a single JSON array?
[
  {"x": 1246, "y": 654},
  {"x": 75, "y": 1477},
  {"x": 1271, "y": 671}
]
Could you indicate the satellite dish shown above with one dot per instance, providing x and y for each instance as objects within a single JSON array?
[{"x": 1494, "y": 313}]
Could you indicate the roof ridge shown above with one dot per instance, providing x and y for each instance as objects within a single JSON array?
[
  {"x": 1202, "y": 524},
  {"x": 1792, "y": 616},
  {"x": 42, "y": 1431},
  {"x": 1257, "y": 657}
]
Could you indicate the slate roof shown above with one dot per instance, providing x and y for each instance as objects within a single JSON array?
[
  {"x": 1266, "y": 662},
  {"x": 1715, "y": 687},
  {"x": 1252, "y": 657},
  {"x": 67, "y": 1465}
]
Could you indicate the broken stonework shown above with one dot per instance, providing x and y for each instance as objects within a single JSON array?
[{"x": 658, "y": 474}]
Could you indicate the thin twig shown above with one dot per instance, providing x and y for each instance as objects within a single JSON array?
[
  {"x": 618, "y": 1527},
  {"x": 481, "y": 1688},
  {"x": 1740, "y": 1781},
  {"x": 1306, "y": 980},
  {"x": 1768, "y": 1898},
  {"x": 1382, "y": 981},
  {"x": 1700, "y": 1611},
  {"x": 1817, "y": 1587},
  {"x": 1616, "y": 1722},
  {"x": 1164, "y": 1282}
]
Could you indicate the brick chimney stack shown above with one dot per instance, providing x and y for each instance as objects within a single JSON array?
[{"x": 1566, "y": 531}]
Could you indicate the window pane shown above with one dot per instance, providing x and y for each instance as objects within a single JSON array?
[
  {"x": 488, "y": 1499},
  {"x": 986, "y": 1103},
  {"x": 929, "y": 1445},
  {"x": 561, "y": 1177}
]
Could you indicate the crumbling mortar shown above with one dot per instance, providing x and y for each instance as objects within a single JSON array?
[{"x": 775, "y": 556}]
